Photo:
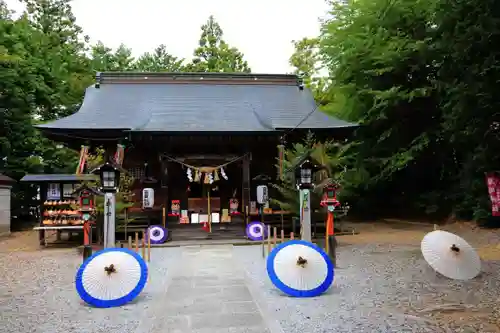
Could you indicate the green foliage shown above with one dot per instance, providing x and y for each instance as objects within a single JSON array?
[
  {"x": 307, "y": 63},
  {"x": 214, "y": 54},
  {"x": 123, "y": 196},
  {"x": 46, "y": 63},
  {"x": 159, "y": 61},
  {"x": 327, "y": 155},
  {"x": 27, "y": 91},
  {"x": 420, "y": 77}
]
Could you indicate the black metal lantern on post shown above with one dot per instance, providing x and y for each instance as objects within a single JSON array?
[
  {"x": 305, "y": 178},
  {"x": 109, "y": 176},
  {"x": 110, "y": 180}
]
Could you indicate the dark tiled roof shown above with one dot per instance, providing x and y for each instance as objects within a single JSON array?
[
  {"x": 58, "y": 178},
  {"x": 192, "y": 105},
  {"x": 6, "y": 180}
]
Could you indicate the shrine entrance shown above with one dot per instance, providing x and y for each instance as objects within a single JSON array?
[{"x": 207, "y": 188}]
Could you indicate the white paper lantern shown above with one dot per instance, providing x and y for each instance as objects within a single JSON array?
[
  {"x": 262, "y": 194},
  {"x": 148, "y": 198}
]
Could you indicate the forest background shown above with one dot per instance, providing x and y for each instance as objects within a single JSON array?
[{"x": 421, "y": 77}]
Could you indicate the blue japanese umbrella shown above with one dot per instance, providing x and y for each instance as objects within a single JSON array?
[
  {"x": 111, "y": 277},
  {"x": 300, "y": 269}
]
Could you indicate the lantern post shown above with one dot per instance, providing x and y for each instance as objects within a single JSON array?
[
  {"x": 305, "y": 184},
  {"x": 87, "y": 210},
  {"x": 110, "y": 180},
  {"x": 330, "y": 201}
]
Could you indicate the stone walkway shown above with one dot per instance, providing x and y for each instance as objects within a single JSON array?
[{"x": 208, "y": 293}]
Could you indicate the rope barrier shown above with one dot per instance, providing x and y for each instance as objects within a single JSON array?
[{"x": 204, "y": 169}]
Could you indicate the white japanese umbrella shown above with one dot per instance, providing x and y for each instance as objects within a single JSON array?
[
  {"x": 111, "y": 277},
  {"x": 300, "y": 269},
  {"x": 450, "y": 255}
]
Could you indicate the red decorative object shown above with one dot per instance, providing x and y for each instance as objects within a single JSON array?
[
  {"x": 493, "y": 183},
  {"x": 86, "y": 202},
  {"x": 330, "y": 196},
  {"x": 330, "y": 200},
  {"x": 233, "y": 206},
  {"x": 175, "y": 207},
  {"x": 205, "y": 226}
]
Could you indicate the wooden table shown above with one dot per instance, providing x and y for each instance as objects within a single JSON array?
[{"x": 57, "y": 228}]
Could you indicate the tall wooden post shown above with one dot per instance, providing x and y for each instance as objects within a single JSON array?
[
  {"x": 43, "y": 197},
  {"x": 245, "y": 195}
]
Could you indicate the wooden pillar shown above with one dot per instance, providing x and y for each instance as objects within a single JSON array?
[
  {"x": 41, "y": 208},
  {"x": 245, "y": 197},
  {"x": 281, "y": 157},
  {"x": 109, "y": 151}
]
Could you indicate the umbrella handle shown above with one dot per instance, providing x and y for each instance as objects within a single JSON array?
[
  {"x": 110, "y": 269},
  {"x": 301, "y": 261}
]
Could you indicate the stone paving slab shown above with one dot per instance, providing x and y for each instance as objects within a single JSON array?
[{"x": 208, "y": 293}]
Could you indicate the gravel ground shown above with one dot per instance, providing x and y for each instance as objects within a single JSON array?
[
  {"x": 383, "y": 288},
  {"x": 37, "y": 294},
  {"x": 378, "y": 288}
]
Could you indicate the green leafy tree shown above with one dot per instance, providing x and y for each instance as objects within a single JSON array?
[
  {"x": 27, "y": 83},
  {"x": 124, "y": 196},
  {"x": 329, "y": 156},
  {"x": 61, "y": 56},
  {"x": 104, "y": 59},
  {"x": 465, "y": 35},
  {"x": 159, "y": 61},
  {"x": 380, "y": 56},
  {"x": 307, "y": 64},
  {"x": 214, "y": 55}
]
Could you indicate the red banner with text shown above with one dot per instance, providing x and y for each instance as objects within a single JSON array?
[{"x": 493, "y": 183}]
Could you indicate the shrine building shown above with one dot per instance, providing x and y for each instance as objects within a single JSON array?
[{"x": 197, "y": 139}]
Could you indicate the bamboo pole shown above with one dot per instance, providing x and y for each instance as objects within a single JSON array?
[
  {"x": 275, "y": 236},
  {"x": 326, "y": 231},
  {"x": 291, "y": 236},
  {"x": 163, "y": 217},
  {"x": 136, "y": 242},
  {"x": 209, "y": 211},
  {"x": 143, "y": 247},
  {"x": 269, "y": 239},
  {"x": 130, "y": 242},
  {"x": 326, "y": 241},
  {"x": 149, "y": 248},
  {"x": 126, "y": 222},
  {"x": 263, "y": 241}
]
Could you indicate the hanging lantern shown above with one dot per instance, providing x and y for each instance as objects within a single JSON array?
[
  {"x": 216, "y": 176},
  {"x": 197, "y": 176},
  {"x": 148, "y": 198},
  {"x": 207, "y": 178},
  {"x": 189, "y": 174}
]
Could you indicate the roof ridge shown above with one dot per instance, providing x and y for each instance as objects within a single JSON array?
[{"x": 159, "y": 77}]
